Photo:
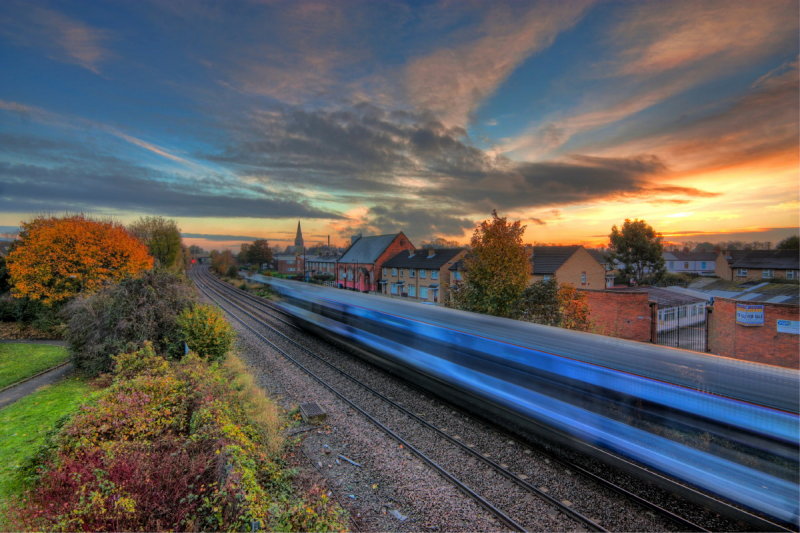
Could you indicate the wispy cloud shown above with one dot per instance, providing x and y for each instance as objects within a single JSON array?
[
  {"x": 664, "y": 49},
  {"x": 60, "y": 37},
  {"x": 452, "y": 82}
]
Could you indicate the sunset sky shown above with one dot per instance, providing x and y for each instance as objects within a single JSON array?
[{"x": 240, "y": 118}]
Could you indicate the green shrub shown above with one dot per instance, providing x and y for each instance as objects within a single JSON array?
[
  {"x": 121, "y": 317},
  {"x": 205, "y": 330}
]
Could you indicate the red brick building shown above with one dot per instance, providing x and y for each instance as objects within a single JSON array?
[
  {"x": 359, "y": 268},
  {"x": 625, "y": 314}
]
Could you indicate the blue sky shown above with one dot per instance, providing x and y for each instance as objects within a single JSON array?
[{"x": 239, "y": 118}]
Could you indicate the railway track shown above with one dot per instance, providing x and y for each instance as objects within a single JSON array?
[{"x": 255, "y": 313}]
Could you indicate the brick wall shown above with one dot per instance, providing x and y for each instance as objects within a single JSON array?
[
  {"x": 620, "y": 314},
  {"x": 763, "y": 344}
]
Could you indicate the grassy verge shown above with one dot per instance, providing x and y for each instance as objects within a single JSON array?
[
  {"x": 25, "y": 424},
  {"x": 21, "y": 360}
]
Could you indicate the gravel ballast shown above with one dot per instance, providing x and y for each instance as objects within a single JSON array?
[{"x": 392, "y": 489}]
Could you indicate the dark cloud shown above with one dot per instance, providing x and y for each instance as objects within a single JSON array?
[
  {"x": 418, "y": 224},
  {"x": 218, "y": 237},
  {"x": 65, "y": 176},
  {"x": 34, "y": 188},
  {"x": 363, "y": 149}
]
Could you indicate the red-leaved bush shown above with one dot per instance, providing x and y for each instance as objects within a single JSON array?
[
  {"x": 135, "y": 487},
  {"x": 168, "y": 447}
]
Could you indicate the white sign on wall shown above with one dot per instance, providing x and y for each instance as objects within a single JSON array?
[
  {"x": 788, "y": 326},
  {"x": 749, "y": 314}
]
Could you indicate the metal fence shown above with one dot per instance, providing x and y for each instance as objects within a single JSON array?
[{"x": 684, "y": 326}]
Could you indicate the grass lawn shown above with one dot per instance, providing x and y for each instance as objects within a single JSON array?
[
  {"x": 19, "y": 360},
  {"x": 25, "y": 423}
]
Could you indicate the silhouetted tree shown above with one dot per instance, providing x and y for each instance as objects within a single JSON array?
[
  {"x": 639, "y": 248},
  {"x": 789, "y": 243}
]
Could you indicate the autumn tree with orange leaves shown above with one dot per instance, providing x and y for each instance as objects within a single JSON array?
[{"x": 57, "y": 258}]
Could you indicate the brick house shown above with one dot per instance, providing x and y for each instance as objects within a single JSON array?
[
  {"x": 359, "y": 268},
  {"x": 423, "y": 275},
  {"x": 756, "y": 265},
  {"x": 289, "y": 263},
  {"x": 608, "y": 267},
  {"x": 701, "y": 263},
  {"x": 321, "y": 266},
  {"x": 568, "y": 264}
]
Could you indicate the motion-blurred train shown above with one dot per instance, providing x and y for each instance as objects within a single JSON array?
[{"x": 684, "y": 419}]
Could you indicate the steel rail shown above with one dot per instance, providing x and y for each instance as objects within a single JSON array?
[
  {"x": 688, "y": 525},
  {"x": 576, "y": 515},
  {"x": 510, "y": 522},
  {"x": 741, "y": 514}
]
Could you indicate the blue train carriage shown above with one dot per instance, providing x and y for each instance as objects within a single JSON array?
[{"x": 727, "y": 427}]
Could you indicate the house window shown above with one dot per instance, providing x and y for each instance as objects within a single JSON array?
[
  {"x": 394, "y": 272},
  {"x": 457, "y": 275},
  {"x": 686, "y": 266},
  {"x": 402, "y": 272},
  {"x": 423, "y": 274},
  {"x": 790, "y": 274},
  {"x": 342, "y": 274},
  {"x": 741, "y": 272},
  {"x": 547, "y": 277},
  {"x": 670, "y": 264},
  {"x": 669, "y": 314},
  {"x": 412, "y": 291},
  {"x": 583, "y": 278},
  {"x": 394, "y": 288},
  {"x": 411, "y": 272},
  {"x": 384, "y": 272},
  {"x": 434, "y": 274},
  {"x": 703, "y": 265},
  {"x": 766, "y": 274},
  {"x": 682, "y": 312},
  {"x": 423, "y": 293}
]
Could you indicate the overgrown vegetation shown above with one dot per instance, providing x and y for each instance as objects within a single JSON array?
[
  {"x": 123, "y": 316},
  {"x": 32, "y": 314},
  {"x": 171, "y": 446},
  {"x": 548, "y": 303},
  {"x": 205, "y": 331},
  {"x": 22, "y": 360}
]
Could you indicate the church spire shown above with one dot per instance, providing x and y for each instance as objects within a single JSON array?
[{"x": 298, "y": 240}]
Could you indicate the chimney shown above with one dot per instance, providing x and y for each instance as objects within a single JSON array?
[
  {"x": 431, "y": 252},
  {"x": 329, "y": 241},
  {"x": 354, "y": 238}
]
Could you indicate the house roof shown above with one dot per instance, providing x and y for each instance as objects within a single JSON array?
[
  {"x": 459, "y": 265},
  {"x": 691, "y": 256},
  {"x": 367, "y": 250},
  {"x": 777, "y": 259},
  {"x": 548, "y": 259},
  {"x": 667, "y": 298},
  {"x": 734, "y": 255},
  {"x": 420, "y": 259},
  {"x": 599, "y": 255}
]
